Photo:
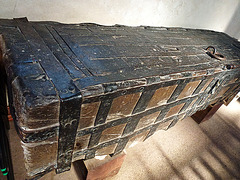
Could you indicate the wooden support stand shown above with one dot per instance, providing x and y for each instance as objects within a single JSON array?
[
  {"x": 95, "y": 169},
  {"x": 206, "y": 114}
]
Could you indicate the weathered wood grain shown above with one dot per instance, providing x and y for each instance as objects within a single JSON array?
[{"x": 85, "y": 90}]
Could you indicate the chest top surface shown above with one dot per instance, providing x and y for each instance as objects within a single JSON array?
[{"x": 76, "y": 56}]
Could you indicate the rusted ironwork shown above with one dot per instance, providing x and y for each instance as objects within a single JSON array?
[
  {"x": 83, "y": 90},
  {"x": 211, "y": 51}
]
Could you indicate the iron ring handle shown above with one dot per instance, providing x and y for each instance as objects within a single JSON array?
[
  {"x": 211, "y": 47},
  {"x": 219, "y": 56},
  {"x": 214, "y": 54}
]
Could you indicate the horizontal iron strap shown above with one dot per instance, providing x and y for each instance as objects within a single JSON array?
[
  {"x": 140, "y": 89},
  {"x": 116, "y": 122},
  {"x": 119, "y": 140}
]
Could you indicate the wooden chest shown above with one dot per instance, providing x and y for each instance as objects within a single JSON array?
[{"x": 83, "y": 90}]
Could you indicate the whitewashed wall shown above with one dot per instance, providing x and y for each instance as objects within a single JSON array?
[{"x": 219, "y": 15}]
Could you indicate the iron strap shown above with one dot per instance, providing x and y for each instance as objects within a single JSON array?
[{"x": 68, "y": 124}]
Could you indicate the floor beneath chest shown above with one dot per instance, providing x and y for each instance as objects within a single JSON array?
[{"x": 186, "y": 151}]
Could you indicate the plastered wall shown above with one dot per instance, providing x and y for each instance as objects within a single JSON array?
[{"x": 219, "y": 15}]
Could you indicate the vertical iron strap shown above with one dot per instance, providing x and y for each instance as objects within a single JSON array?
[
  {"x": 68, "y": 119},
  {"x": 69, "y": 95}
]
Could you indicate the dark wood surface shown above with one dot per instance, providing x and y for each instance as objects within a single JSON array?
[
  {"x": 89, "y": 54},
  {"x": 72, "y": 86}
]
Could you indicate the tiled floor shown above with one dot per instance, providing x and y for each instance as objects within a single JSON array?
[{"x": 186, "y": 151}]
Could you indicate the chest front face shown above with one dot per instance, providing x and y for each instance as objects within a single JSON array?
[
  {"x": 80, "y": 91},
  {"x": 114, "y": 121}
]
